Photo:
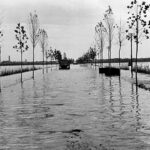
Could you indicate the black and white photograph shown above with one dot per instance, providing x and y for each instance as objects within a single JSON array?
[{"x": 74, "y": 74}]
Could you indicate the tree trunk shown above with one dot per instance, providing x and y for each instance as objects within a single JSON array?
[
  {"x": 109, "y": 53},
  {"x": 46, "y": 63},
  {"x": 109, "y": 47},
  {"x": 0, "y": 69},
  {"x": 136, "y": 61},
  {"x": 21, "y": 66},
  {"x": 108, "y": 56},
  {"x": 51, "y": 63},
  {"x": 131, "y": 59},
  {"x": 102, "y": 58},
  {"x": 119, "y": 54},
  {"x": 99, "y": 59},
  {"x": 43, "y": 60},
  {"x": 101, "y": 52},
  {"x": 137, "y": 42},
  {"x": 33, "y": 62}
]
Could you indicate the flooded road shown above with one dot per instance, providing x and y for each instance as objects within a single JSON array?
[{"x": 75, "y": 109}]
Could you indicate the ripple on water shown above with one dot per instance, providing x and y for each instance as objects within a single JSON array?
[{"x": 75, "y": 110}]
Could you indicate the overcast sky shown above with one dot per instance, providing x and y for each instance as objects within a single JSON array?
[{"x": 69, "y": 23}]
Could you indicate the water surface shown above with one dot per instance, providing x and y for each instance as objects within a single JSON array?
[{"x": 75, "y": 109}]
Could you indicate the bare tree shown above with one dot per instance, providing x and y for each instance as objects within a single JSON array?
[
  {"x": 121, "y": 37},
  {"x": 100, "y": 37},
  {"x": 43, "y": 40},
  {"x": 138, "y": 23},
  {"x": 129, "y": 36},
  {"x": 109, "y": 28},
  {"x": 46, "y": 56},
  {"x": 21, "y": 45},
  {"x": 1, "y": 35},
  {"x": 33, "y": 23}
]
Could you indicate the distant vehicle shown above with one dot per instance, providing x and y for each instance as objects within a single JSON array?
[
  {"x": 64, "y": 64},
  {"x": 75, "y": 63}
]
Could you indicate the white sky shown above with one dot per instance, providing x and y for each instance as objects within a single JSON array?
[{"x": 69, "y": 23}]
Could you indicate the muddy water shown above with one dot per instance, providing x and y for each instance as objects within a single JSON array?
[{"x": 77, "y": 109}]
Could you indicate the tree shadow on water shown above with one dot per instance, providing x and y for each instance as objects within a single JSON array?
[
  {"x": 80, "y": 142},
  {"x": 80, "y": 145}
]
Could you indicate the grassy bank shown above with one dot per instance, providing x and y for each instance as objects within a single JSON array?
[
  {"x": 145, "y": 70},
  {"x": 142, "y": 69},
  {"x": 124, "y": 67},
  {"x": 16, "y": 71},
  {"x": 16, "y": 63}
]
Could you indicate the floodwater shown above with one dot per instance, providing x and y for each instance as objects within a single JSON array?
[{"x": 75, "y": 109}]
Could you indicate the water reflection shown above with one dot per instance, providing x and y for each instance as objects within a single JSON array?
[
  {"x": 84, "y": 110},
  {"x": 102, "y": 93},
  {"x": 121, "y": 100},
  {"x": 111, "y": 100},
  {"x": 138, "y": 115},
  {"x": 135, "y": 106}
]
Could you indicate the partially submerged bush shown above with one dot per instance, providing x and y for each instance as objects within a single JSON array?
[
  {"x": 16, "y": 71},
  {"x": 142, "y": 69}
]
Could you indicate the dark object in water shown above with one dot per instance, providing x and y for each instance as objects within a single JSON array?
[
  {"x": 75, "y": 132},
  {"x": 49, "y": 115},
  {"x": 130, "y": 63},
  {"x": 64, "y": 64},
  {"x": 110, "y": 71},
  {"x": 103, "y": 70},
  {"x": 113, "y": 72}
]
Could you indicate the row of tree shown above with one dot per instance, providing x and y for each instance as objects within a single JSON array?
[
  {"x": 36, "y": 35},
  {"x": 104, "y": 34},
  {"x": 137, "y": 28},
  {"x": 88, "y": 56}
]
